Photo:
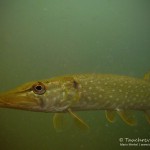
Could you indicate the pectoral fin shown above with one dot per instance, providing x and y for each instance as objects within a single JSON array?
[
  {"x": 110, "y": 115},
  {"x": 147, "y": 115},
  {"x": 127, "y": 117},
  {"x": 58, "y": 122},
  {"x": 78, "y": 121}
]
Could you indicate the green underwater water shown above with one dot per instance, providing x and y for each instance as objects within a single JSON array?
[{"x": 42, "y": 39}]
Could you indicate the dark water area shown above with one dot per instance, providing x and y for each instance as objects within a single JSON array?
[{"x": 42, "y": 39}]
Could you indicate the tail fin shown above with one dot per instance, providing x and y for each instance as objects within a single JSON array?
[
  {"x": 147, "y": 76},
  {"x": 147, "y": 115}
]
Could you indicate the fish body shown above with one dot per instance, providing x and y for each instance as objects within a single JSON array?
[
  {"x": 112, "y": 92},
  {"x": 82, "y": 92}
]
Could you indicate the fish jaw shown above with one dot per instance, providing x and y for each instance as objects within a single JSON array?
[
  {"x": 19, "y": 101},
  {"x": 21, "y": 97}
]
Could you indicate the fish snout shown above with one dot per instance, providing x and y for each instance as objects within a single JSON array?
[{"x": 19, "y": 101}]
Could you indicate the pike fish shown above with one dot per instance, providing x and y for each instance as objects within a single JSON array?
[{"x": 112, "y": 93}]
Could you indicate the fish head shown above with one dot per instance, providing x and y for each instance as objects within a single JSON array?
[{"x": 44, "y": 96}]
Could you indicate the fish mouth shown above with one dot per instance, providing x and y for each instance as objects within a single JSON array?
[{"x": 19, "y": 101}]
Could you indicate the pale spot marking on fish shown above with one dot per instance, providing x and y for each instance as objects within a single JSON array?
[
  {"x": 120, "y": 90},
  {"x": 90, "y": 88},
  {"x": 100, "y": 96},
  {"x": 110, "y": 96},
  {"x": 105, "y": 83}
]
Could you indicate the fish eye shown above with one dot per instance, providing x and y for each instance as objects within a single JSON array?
[{"x": 39, "y": 88}]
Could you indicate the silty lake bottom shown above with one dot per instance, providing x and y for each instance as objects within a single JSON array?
[{"x": 44, "y": 39}]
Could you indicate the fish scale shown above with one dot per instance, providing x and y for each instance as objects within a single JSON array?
[{"x": 113, "y": 92}]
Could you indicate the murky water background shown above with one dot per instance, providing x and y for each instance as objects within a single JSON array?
[{"x": 42, "y": 39}]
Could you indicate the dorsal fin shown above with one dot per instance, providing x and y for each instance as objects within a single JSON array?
[
  {"x": 147, "y": 76},
  {"x": 110, "y": 115},
  {"x": 127, "y": 117}
]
